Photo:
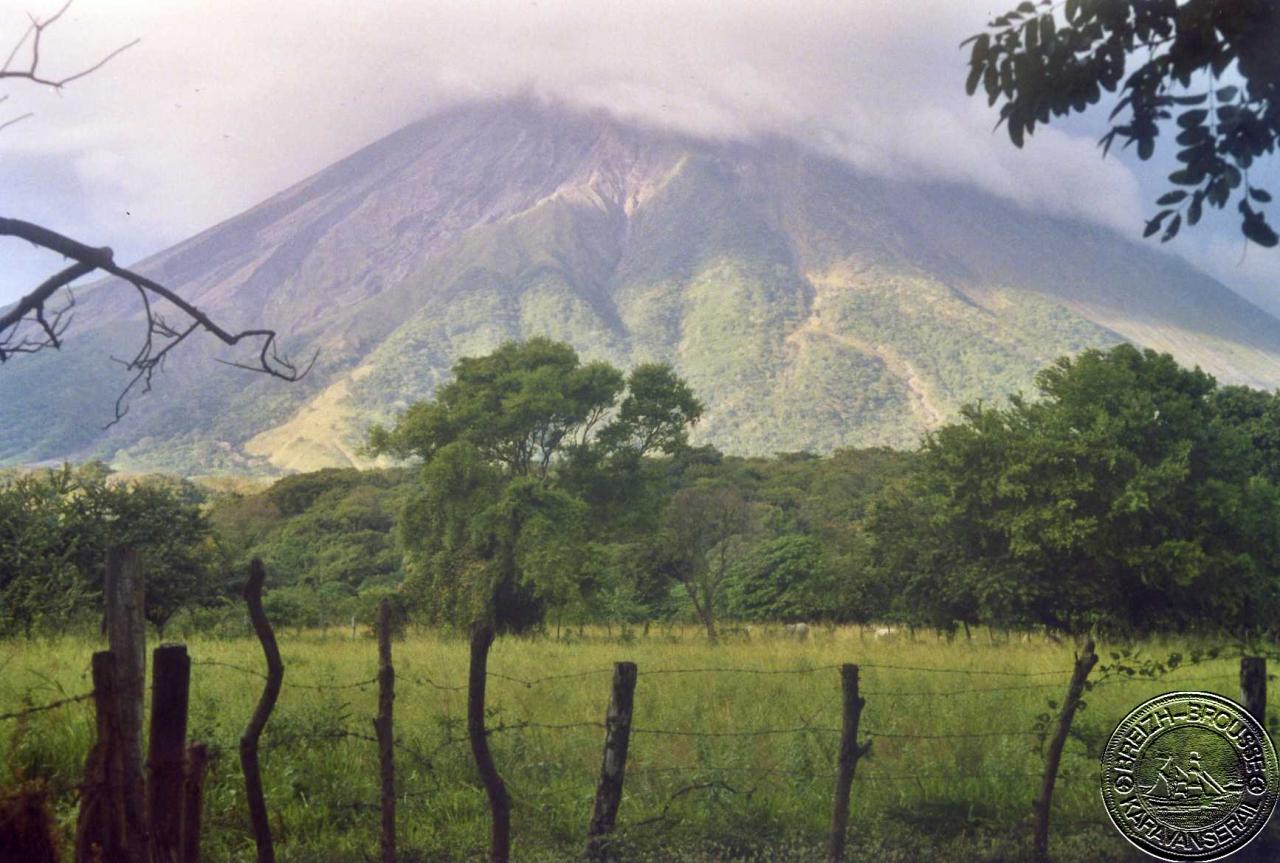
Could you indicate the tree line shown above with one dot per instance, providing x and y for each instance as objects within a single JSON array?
[{"x": 537, "y": 490}]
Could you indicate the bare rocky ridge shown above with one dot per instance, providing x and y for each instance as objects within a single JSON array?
[{"x": 809, "y": 305}]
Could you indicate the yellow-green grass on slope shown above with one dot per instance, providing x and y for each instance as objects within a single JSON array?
[{"x": 966, "y": 797}]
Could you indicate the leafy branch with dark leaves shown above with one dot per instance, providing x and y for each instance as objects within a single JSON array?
[{"x": 1043, "y": 60}]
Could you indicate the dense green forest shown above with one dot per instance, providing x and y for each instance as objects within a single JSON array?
[{"x": 1127, "y": 495}]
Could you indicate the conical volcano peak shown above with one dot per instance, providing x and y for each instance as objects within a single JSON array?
[{"x": 809, "y": 305}]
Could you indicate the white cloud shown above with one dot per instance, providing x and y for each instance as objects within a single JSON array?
[{"x": 225, "y": 103}]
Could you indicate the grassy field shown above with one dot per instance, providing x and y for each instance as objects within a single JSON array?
[{"x": 953, "y": 769}]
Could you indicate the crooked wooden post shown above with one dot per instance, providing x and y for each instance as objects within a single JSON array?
[
  {"x": 499, "y": 800},
  {"x": 127, "y": 637},
  {"x": 253, "y": 732},
  {"x": 850, "y": 752},
  {"x": 170, "y": 686},
  {"x": 613, "y": 768},
  {"x": 382, "y": 725},
  {"x": 1043, "y": 805}
]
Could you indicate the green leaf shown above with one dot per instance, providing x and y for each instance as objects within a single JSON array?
[
  {"x": 1171, "y": 197},
  {"x": 1047, "y": 29},
  {"x": 980, "y": 49},
  {"x": 1255, "y": 227},
  {"x": 1193, "y": 211},
  {"x": 1262, "y": 196},
  {"x": 1154, "y": 224},
  {"x": 1106, "y": 141},
  {"x": 1187, "y": 119},
  {"x": 971, "y": 83},
  {"x": 1172, "y": 231},
  {"x": 1226, "y": 94}
]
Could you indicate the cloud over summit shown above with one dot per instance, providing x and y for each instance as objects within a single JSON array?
[{"x": 223, "y": 104}]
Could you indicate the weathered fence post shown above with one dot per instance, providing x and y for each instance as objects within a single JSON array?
[
  {"x": 28, "y": 833},
  {"x": 1043, "y": 804},
  {"x": 1253, "y": 695},
  {"x": 850, "y": 752},
  {"x": 193, "y": 801},
  {"x": 127, "y": 638},
  {"x": 613, "y": 768},
  {"x": 1253, "y": 687},
  {"x": 267, "y": 703},
  {"x": 499, "y": 800},
  {"x": 385, "y": 732},
  {"x": 170, "y": 685},
  {"x": 100, "y": 825}
]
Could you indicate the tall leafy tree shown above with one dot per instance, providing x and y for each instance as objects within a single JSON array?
[
  {"x": 497, "y": 532},
  {"x": 706, "y": 530},
  {"x": 1121, "y": 498},
  {"x": 55, "y": 528}
]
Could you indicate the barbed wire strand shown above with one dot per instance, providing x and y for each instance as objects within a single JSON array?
[
  {"x": 52, "y": 705},
  {"x": 734, "y": 670}
]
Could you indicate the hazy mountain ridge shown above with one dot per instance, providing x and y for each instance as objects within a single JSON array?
[{"x": 810, "y": 306}]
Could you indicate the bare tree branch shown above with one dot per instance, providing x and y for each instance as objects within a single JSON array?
[
  {"x": 33, "y": 314},
  {"x": 32, "y": 72},
  {"x": 34, "y": 324},
  {"x": 18, "y": 119}
]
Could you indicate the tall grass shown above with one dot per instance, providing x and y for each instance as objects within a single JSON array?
[{"x": 964, "y": 797}]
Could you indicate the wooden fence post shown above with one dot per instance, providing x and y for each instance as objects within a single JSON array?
[
  {"x": 385, "y": 731},
  {"x": 1043, "y": 804},
  {"x": 613, "y": 768},
  {"x": 127, "y": 637},
  {"x": 1253, "y": 687},
  {"x": 28, "y": 833},
  {"x": 100, "y": 825},
  {"x": 170, "y": 686},
  {"x": 499, "y": 800},
  {"x": 850, "y": 752},
  {"x": 1253, "y": 695},
  {"x": 267, "y": 703},
  {"x": 193, "y": 801}
]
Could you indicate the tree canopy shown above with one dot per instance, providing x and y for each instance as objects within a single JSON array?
[
  {"x": 1127, "y": 497},
  {"x": 55, "y": 528},
  {"x": 1212, "y": 63},
  {"x": 494, "y": 533},
  {"x": 705, "y": 531}
]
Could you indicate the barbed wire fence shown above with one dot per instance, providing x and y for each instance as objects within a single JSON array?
[{"x": 853, "y": 739}]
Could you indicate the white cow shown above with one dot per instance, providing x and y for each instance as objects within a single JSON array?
[
  {"x": 798, "y": 631},
  {"x": 886, "y": 631}
]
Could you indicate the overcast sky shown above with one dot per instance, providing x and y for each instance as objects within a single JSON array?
[{"x": 224, "y": 102}]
